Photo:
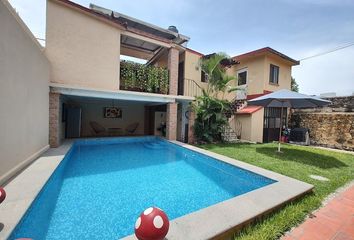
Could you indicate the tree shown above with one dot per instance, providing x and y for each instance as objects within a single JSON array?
[
  {"x": 210, "y": 107},
  {"x": 294, "y": 85}
]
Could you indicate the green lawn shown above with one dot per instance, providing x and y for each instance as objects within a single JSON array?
[{"x": 296, "y": 162}]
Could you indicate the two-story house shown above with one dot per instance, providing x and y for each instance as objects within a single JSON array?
[
  {"x": 94, "y": 91},
  {"x": 257, "y": 73}
]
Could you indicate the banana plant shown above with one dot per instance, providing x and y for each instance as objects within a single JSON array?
[{"x": 211, "y": 107}]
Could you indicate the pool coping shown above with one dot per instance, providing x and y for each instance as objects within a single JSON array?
[
  {"x": 214, "y": 221},
  {"x": 26, "y": 185}
]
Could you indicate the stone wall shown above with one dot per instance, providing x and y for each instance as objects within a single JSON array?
[
  {"x": 335, "y": 129},
  {"x": 339, "y": 104},
  {"x": 342, "y": 104}
]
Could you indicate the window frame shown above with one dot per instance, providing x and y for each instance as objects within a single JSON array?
[
  {"x": 271, "y": 74},
  {"x": 242, "y": 71},
  {"x": 203, "y": 77}
]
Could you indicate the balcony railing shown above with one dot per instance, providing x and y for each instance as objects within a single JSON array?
[
  {"x": 192, "y": 88},
  {"x": 141, "y": 78}
]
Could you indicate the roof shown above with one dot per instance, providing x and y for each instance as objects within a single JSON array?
[
  {"x": 129, "y": 23},
  {"x": 226, "y": 62},
  {"x": 249, "y": 110},
  {"x": 266, "y": 50},
  {"x": 252, "y": 96},
  {"x": 195, "y": 52}
]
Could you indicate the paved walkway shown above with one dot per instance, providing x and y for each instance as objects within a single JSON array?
[{"x": 335, "y": 221}]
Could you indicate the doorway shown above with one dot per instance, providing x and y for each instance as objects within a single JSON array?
[
  {"x": 272, "y": 125},
  {"x": 180, "y": 78}
]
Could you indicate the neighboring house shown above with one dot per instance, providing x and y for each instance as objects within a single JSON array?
[
  {"x": 257, "y": 73},
  {"x": 260, "y": 72}
]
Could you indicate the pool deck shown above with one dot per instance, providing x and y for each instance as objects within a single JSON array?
[
  {"x": 216, "y": 221},
  {"x": 23, "y": 189}
]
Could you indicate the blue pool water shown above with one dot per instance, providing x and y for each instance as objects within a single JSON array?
[{"x": 101, "y": 187}]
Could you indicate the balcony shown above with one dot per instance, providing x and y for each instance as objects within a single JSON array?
[{"x": 142, "y": 78}]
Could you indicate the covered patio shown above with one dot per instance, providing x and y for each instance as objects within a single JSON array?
[{"x": 84, "y": 113}]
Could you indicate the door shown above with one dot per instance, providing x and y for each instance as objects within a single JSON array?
[
  {"x": 272, "y": 124},
  {"x": 180, "y": 78},
  {"x": 73, "y": 122}
]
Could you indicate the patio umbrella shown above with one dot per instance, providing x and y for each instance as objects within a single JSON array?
[{"x": 286, "y": 98}]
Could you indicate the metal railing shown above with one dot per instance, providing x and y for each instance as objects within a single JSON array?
[{"x": 192, "y": 88}]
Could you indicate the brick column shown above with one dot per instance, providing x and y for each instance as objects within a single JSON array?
[
  {"x": 54, "y": 108},
  {"x": 172, "y": 64},
  {"x": 191, "y": 120},
  {"x": 171, "y": 121}
]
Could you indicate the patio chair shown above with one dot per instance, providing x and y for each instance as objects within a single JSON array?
[
  {"x": 98, "y": 129},
  {"x": 131, "y": 128}
]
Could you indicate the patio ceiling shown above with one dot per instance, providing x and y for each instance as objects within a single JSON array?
[
  {"x": 139, "y": 45},
  {"x": 118, "y": 94}
]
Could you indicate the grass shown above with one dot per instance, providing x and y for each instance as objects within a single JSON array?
[{"x": 297, "y": 162}]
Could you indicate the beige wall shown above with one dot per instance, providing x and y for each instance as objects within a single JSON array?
[
  {"x": 255, "y": 73},
  {"x": 245, "y": 120},
  {"x": 252, "y": 126},
  {"x": 93, "y": 110},
  {"x": 258, "y": 74},
  {"x": 284, "y": 74},
  {"x": 192, "y": 69},
  {"x": 162, "y": 61},
  {"x": 83, "y": 50},
  {"x": 257, "y": 126},
  {"x": 24, "y": 103}
]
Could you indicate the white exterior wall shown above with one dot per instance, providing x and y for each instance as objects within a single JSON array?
[{"x": 24, "y": 79}]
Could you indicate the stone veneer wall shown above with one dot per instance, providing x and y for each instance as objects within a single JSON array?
[
  {"x": 332, "y": 126},
  {"x": 339, "y": 104},
  {"x": 171, "y": 121}
]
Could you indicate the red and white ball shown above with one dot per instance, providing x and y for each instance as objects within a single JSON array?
[
  {"x": 153, "y": 224},
  {"x": 2, "y": 195}
]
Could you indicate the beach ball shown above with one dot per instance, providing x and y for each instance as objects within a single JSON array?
[
  {"x": 153, "y": 224},
  {"x": 2, "y": 195}
]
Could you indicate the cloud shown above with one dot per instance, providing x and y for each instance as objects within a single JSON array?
[{"x": 333, "y": 72}]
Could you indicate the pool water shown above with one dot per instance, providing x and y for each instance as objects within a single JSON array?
[{"x": 101, "y": 187}]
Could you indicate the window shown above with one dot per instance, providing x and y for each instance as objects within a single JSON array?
[
  {"x": 242, "y": 77},
  {"x": 274, "y": 74},
  {"x": 203, "y": 77}
]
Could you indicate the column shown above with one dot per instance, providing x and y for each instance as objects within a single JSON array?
[
  {"x": 171, "y": 121},
  {"x": 54, "y": 118},
  {"x": 191, "y": 120},
  {"x": 173, "y": 58}
]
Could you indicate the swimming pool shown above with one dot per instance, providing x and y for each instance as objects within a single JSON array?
[{"x": 102, "y": 185}]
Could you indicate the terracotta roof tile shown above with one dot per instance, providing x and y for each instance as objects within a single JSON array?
[{"x": 249, "y": 110}]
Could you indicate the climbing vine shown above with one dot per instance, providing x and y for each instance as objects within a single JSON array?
[{"x": 142, "y": 78}]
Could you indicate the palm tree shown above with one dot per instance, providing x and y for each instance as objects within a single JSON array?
[
  {"x": 211, "y": 106},
  {"x": 218, "y": 80}
]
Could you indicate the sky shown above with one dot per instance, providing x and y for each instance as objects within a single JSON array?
[{"x": 297, "y": 28}]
